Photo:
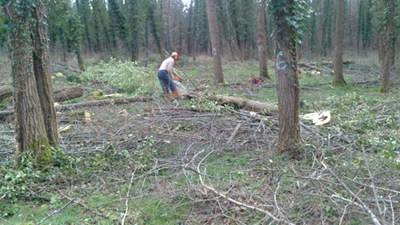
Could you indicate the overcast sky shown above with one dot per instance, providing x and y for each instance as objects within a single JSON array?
[{"x": 186, "y": 2}]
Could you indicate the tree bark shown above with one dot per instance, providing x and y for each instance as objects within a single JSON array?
[
  {"x": 252, "y": 105},
  {"x": 5, "y": 92},
  {"x": 287, "y": 80},
  {"x": 262, "y": 40},
  {"x": 388, "y": 47},
  {"x": 215, "y": 41},
  {"x": 58, "y": 95},
  {"x": 338, "y": 70},
  {"x": 42, "y": 72},
  {"x": 31, "y": 132},
  {"x": 67, "y": 93},
  {"x": 79, "y": 58}
]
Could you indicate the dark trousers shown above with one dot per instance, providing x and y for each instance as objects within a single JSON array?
[{"x": 165, "y": 81}]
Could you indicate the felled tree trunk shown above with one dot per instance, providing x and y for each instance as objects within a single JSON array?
[
  {"x": 67, "y": 93},
  {"x": 58, "y": 95},
  {"x": 4, "y": 114},
  {"x": 5, "y": 92},
  {"x": 252, "y": 105}
]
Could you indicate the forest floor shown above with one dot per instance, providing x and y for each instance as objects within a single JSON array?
[{"x": 204, "y": 163}]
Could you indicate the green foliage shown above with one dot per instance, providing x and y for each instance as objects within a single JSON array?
[
  {"x": 98, "y": 94},
  {"x": 202, "y": 104},
  {"x": 125, "y": 76},
  {"x": 5, "y": 103},
  {"x": 366, "y": 121},
  {"x": 19, "y": 183},
  {"x": 145, "y": 152},
  {"x": 295, "y": 16},
  {"x": 16, "y": 182},
  {"x": 381, "y": 11},
  {"x": 64, "y": 25},
  {"x": 3, "y": 29}
]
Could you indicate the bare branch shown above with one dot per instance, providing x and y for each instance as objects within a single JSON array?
[{"x": 127, "y": 198}]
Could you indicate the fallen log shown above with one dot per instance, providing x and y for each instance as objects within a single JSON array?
[
  {"x": 67, "y": 93},
  {"x": 311, "y": 67},
  {"x": 6, "y": 92},
  {"x": 252, "y": 105},
  {"x": 58, "y": 95},
  {"x": 4, "y": 114},
  {"x": 329, "y": 62}
]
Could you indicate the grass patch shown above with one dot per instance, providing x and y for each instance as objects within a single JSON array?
[{"x": 163, "y": 146}]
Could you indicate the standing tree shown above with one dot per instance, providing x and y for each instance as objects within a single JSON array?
[
  {"x": 83, "y": 8},
  {"x": 42, "y": 70},
  {"x": 117, "y": 24},
  {"x": 364, "y": 24},
  {"x": 74, "y": 40},
  {"x": 326, "y": 38},
  {"x": 215, "y": 42},
  {"x": 154, "y": 26},
  {"x": 36, "y": 127},
  {"x": 262, "y": 40},
  {"x": 288, "y": 16},
  {"x": 229, "y": 30},
  {"x": 134, "y": 24},
  {"x": 386, "y": 13},
  {"x": 189, "y": 41},
  {"x": 338, "y": 70},
  {"x": 65, "y": 25},
  {"x": 201, "y": 29},
  {"x": 100, "y": 26}
]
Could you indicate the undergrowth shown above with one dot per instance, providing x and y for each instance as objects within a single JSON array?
[
  {"x": 124, "y": 76},
  {"x": 160, "y": 169}
]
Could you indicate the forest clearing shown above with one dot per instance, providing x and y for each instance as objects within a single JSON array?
[
  {"x": 199, "y": 112},
  {"x": 151, "y": 162}
]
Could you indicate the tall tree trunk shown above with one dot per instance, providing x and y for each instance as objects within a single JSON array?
[
  {"x": 134, "y": 22},
  {"x": 388, "y": 47},
  {"x": 31, "y": 132},
  {"x": 155, "y": 29},
  {"x": 339, "y": 78},
  {"x": 230, "y": 33},
  {"x": 262, "y": 40},
  {"x": 189, "y": 39},
  {"x": 326, "y": 40},
  {"x": 213, "y": 26},
  {"x": 79, "y": 58},
  {"x": 42, "y": 72},
  {"x": 287, "y": 80}
]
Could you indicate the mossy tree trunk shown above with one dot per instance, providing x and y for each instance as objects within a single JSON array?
[
  {"x": 36, "y": 128},
  {"x": 42, "y": 72},
  {"x": 287, "y": 80},
  {"x": 388, "y": 46}
]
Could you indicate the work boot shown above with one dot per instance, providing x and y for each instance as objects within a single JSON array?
[
  {"x": 167, "y": 97},
  {"x": 176, "y": 93}
]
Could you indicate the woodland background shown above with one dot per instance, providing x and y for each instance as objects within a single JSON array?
[{"x": 129, "y": 29}]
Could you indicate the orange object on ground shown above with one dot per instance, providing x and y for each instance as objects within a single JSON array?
[{"x": 176, "y": 93}]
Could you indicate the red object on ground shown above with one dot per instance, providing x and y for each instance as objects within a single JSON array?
[{"x": 255, "y": 80}]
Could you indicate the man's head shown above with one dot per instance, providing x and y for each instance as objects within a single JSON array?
[{"x": 175, "y": 56}]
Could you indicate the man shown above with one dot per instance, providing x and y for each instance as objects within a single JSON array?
[{"x": 165, "y": 74}]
